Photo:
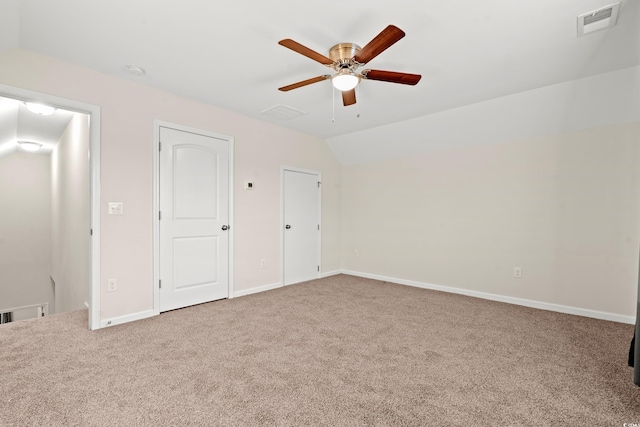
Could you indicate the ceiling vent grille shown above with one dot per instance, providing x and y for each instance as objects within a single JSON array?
[
  {"x": 283, "y": 112},
  {"x": 599, "y": 19}
]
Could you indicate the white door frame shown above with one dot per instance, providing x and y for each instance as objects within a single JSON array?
[
  {"x": 157, "y": 124},
  {"x": 282, "y": 224},
  {"x": 93, "y": 111}
]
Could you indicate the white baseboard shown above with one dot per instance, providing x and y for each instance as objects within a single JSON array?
[
  {"x": 127, "y": 318},
  {"x": 264, "y": 288},
  {"x": 502, "y": 298},
  {"x": 256, "y": 290},
  {"x": 330, "y": 273}
]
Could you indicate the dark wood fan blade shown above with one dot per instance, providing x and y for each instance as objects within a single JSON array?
[
  {"x": 392, "y": 77},
  {"x": 379, "y": 44},
  {"x": 303, "y": 50},
  {"x": 304, "y": 83},
  {"x": 349, "y": 97}
]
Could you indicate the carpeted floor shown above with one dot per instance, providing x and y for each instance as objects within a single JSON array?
[{"x": 336, "y": 351}]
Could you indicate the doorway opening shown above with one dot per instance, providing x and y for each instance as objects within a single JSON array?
[{"x": 50, "y": 168}]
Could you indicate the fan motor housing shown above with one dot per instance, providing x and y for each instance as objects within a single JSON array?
[{"x": 343, "y": 51}]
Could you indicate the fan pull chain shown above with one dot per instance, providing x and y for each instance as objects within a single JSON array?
[
  {"x": 333, "y": 104},
  {"x": 357, "y": 103}
]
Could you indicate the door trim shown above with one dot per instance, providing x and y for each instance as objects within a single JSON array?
[
  {"x": 157, "y": 124},
  {"x": 282, "y": 224},
  {"x": 93, "y": 111}
]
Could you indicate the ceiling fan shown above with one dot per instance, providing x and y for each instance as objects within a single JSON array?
[{"x": 346, "y": 58}]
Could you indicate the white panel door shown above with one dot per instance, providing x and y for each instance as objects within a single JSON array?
[
  {"x": 194, "y": 218},
  {"x": 301, "y": 226}
]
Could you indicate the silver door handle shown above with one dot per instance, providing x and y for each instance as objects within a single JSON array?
[{"x": 225, "y": 227}]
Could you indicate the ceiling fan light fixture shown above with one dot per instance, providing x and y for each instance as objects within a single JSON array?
[
  {"x": 346, "y": 58},
  {"x": 29, "y": 146},
  {"x": 345, "y": 80}
]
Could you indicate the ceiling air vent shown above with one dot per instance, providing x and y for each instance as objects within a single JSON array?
[
  {"x": 599, "y": 19},
  {"x": 283, "y": 112}
]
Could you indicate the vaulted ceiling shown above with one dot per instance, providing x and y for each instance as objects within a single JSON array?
[{"x": 227, "y": 54}]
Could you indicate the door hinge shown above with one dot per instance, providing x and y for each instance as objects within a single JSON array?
[
  {"x": 91, "y": 231},
  {"x": 318, "y": 268},
  {"x": 159, "y": 215},
  {"x": 318, "y": 227},
  {"x": 319, "y": 184},
  {"x": 160, "y": 283},
  {"x": 159, "y": 146}
]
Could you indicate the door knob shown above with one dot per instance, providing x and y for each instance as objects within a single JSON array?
[
  {"x": 225, "y": 227},
  {"x": 287, "y": 226}
]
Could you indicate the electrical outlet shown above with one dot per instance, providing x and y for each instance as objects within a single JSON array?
[
  {"x": 517, "y": 272},
  {"x": 112, "y": 285},
  {"x": 263, "y": 263}
]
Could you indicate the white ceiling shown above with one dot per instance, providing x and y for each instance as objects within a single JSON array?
[{"x": 227, "y": 53}]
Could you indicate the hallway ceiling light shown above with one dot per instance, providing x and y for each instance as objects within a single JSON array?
[
  {"x": 29, "y": 146},
  {"x": 43, "y": 110}
]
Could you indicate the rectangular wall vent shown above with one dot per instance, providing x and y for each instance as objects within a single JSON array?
[
  {"x": 598, "y": 16},
  {"x": 599, "y": 19}
]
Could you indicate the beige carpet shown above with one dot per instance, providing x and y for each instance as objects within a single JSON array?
[{"x": 337, "y": 351}]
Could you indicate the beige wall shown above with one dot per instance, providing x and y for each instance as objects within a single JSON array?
[
  {"x": 564, "y": 208},
  {"x": 24, "y": 230},
  {"x": 127, "y": 114},
  {"x": 70, "y": 223},
  {"x": 260, "y": 216}
]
